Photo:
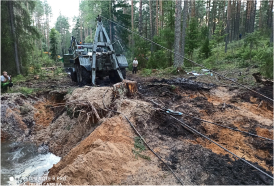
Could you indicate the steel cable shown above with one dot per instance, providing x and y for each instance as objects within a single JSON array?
[
  {"x": 228, "y": 127},
  {"x": 235, "y": 129},
  {"x": 189, "y": 59},
  {"x": 180, "y": 181},
  {"x": 195, "y": 131}
]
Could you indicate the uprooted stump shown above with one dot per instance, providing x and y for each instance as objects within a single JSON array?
[
  {"x": 84, "y": 111},
  {"x": 259, "y": 79},
  {"x": 125, "y": 88}
]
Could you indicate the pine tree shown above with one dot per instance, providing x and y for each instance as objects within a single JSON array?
[
  {"x": 206, "y": 50},
  {"x": 185, "y": 14},
  {"x": 53, "y": 43},
  {"x": 192, "y": 38},
  {"x": 178, "y": 12},
  {"x": 140, "y": 18}
]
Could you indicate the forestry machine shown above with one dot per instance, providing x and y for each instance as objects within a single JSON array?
[{"x": 87, "y": 61}]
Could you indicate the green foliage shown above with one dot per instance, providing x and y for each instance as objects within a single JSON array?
[
  {"x": 62, "y": 26},
  {"x": 146, "y": 72},
  {"x": 265, "y": 57},
  {"x": 58, "y": 71},
  {"x": 192, "y": 37},
  {"x": 88, "y": 39},
  {"x": 243, "y": 64},
  {"x": 53, "y": 43},
  {"x": 19, "y": 78},
  {"x": 25, "y": 33},
  {"x": 206, "y": 49},
  {"x": 139, "y": 148},
  {"x": 23, "y": 90},
  {"x": 173, "y": 87},
  {"x": 141, "y": 49}
]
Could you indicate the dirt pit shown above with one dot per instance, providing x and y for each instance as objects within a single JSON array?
[
  {"x": 44, "y": 115},
  {"x": 102, "y": 150}
]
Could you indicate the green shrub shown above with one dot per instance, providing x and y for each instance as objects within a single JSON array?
[
  {"x": 19, "y": 78},
  {"x": 266, "y": 62},
  {"x": 146, "y": 72},
  {"x": 170, "y": 70},
  {"x": 243, "y": 64},
  {"x": 139, "y": 147},
  {"x": 23, "y": 90}
]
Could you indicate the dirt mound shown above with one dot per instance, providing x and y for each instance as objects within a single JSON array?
[
  {"x": 92, "y": 94},
  {"x": 70, "y": 124},
  {"x": 107, "y": 151}
]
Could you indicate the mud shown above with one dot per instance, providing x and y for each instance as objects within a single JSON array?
[
  {"x": 106, "y": 144},
  {"x": 216, "y": 105}
]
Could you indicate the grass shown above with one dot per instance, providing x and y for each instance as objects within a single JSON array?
[
  {"x": 19, "y": 78},
  {"x": 146, "y": 72},
  {"x": 139, "y": 147},
  {"x": 23, "y": 90}
]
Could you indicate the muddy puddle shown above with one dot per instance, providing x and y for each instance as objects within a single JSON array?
[{"x": 22, "y": 162}]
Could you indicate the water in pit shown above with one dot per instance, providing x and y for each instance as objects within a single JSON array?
[{"x": 21, "y": 162}]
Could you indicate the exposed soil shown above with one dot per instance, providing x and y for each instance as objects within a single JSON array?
[
  {"x": 43, "y": 116},
  {"x": 100, "y": 150}
]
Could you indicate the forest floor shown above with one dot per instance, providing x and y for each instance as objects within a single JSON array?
[{"x": 56, "y": 116}]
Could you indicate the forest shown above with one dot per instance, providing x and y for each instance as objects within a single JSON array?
[{"x": 217, "y": 34}]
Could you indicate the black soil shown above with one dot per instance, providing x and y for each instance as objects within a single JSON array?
[{"x": 190, "y": 161}]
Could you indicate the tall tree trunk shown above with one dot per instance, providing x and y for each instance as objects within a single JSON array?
[
  {"x": 140, "y": 18},
  {"x": 248, "y": 15},
  {"x": 260, "y": 19},
  {"x": 254, "y": 15},
  {"x": 232, "y": 29},
  {"x": 132, "y": 24},
  {"x": 214, "y": 15},
  {"x": 161, "y": 13},
  {"x": 151, "y": 23},
  {"x": 237, "y": 28},
  {"x": 242, "y": 21},
  {"x": 271, "y": 28},
  {"x": 185, "y": 14},
  {"x": 11, "y": 12},
  {"x": 178, "y": 14},
  {"x": 251, "y": 17},
  {"x": 270, "y": 14},
  {"x": 207, "y": 12},
  {"x": 156, "y": 20},
  {"x": 192, "y": 8},
  {"x": 228, "y": 24}
]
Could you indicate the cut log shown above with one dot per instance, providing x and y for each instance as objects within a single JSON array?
[{"x": 125, "y": 88}]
